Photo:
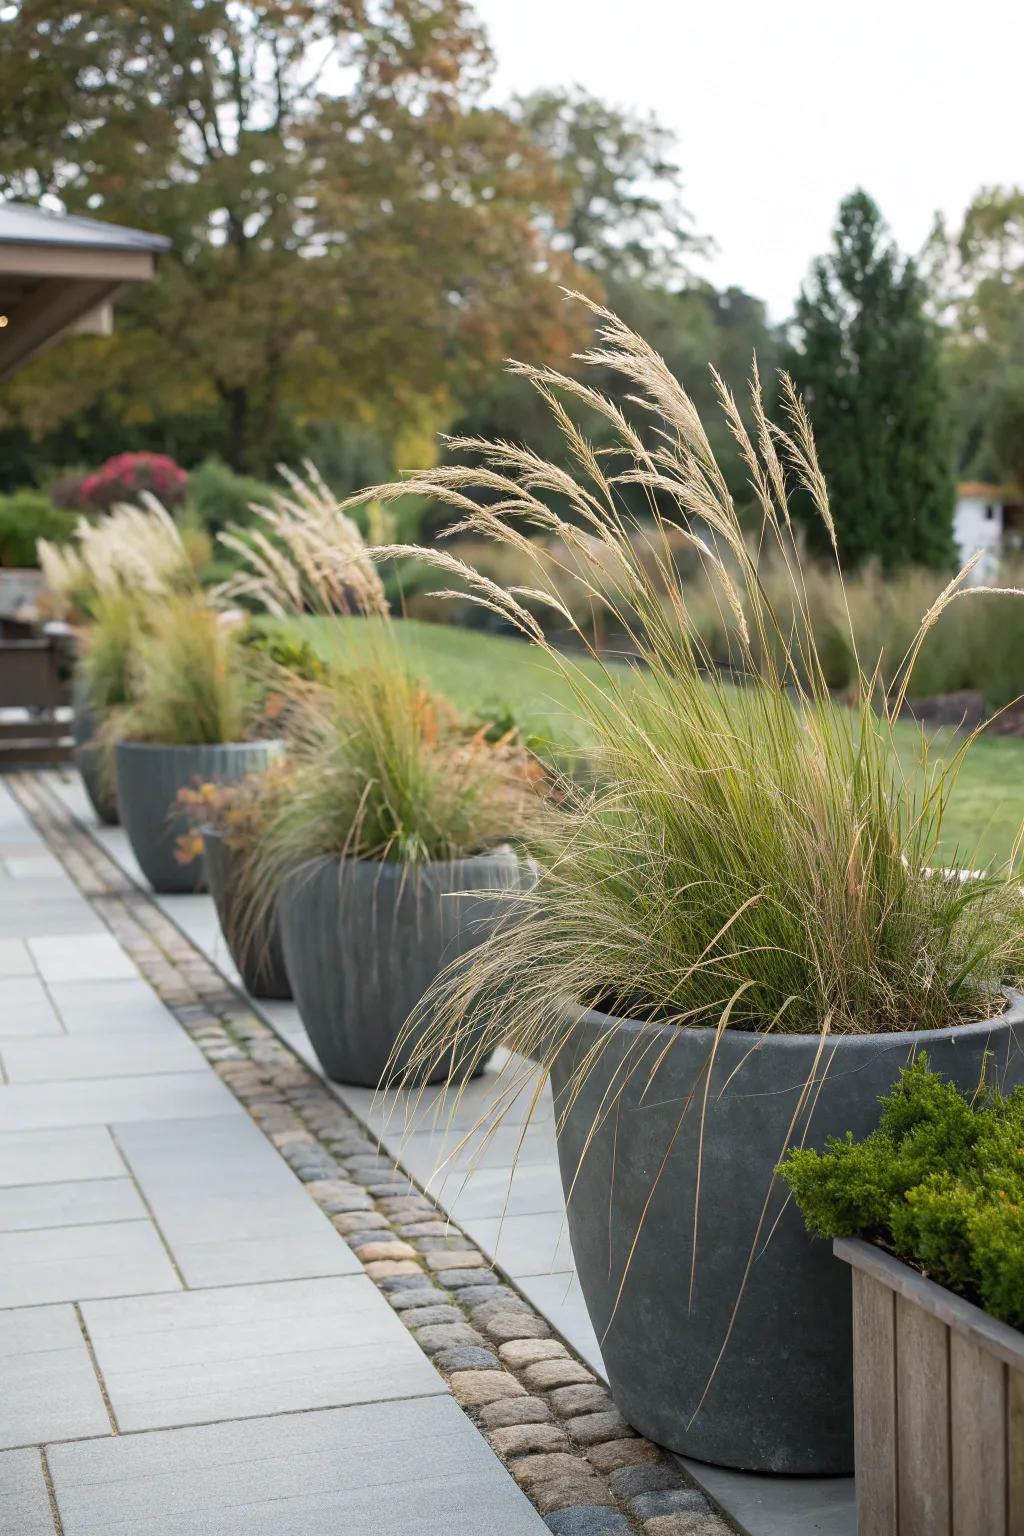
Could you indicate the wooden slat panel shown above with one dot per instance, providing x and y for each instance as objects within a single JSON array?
[
  {"x": 977, "y": 1388},
  {"x": 874, "y": 1405},
  {"x": 922, "y": 1385},
  {"x": 1015, "y": 1450}
]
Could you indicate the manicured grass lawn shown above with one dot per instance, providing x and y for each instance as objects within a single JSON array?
[{"x": 489, "y": 674}]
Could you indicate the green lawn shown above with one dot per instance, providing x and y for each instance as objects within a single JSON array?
[{"x": 489, "y": 674}]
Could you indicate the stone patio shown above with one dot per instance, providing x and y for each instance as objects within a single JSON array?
[
  {"x": 188, "y": 1343},
  {"x": 254, "y": 1322}
]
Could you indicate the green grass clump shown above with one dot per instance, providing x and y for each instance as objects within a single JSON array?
[
  {"x": 940, "y": 1182},
  {"x": 381, "y": 767},
  {"x": 189, "y": 683},
  {"x": 746, "y": 854}
]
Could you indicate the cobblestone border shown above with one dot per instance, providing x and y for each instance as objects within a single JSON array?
[{"x": 543, "y": 1412}]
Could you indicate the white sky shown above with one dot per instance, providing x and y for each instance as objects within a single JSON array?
[{"x": 783, "y": 106}]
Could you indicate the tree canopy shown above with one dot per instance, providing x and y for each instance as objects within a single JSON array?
[{"x": 355, "y": 232}]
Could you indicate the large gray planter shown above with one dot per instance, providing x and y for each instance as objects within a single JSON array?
[
  {"x": 364, "y": 940},
  {"x": 97, "y": 778},
  {"x": 748, "y": 1369},
  {"x": 254, "y": 946},
  {"x": 148, "y": 779}
]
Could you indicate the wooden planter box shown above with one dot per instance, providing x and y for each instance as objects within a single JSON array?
[{"x": 938, "y": 1406}]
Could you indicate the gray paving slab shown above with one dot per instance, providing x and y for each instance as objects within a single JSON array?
[
  {"x": 229, "y": 1208},
  {"x": 52, "y": 1156},
  {"x": 426, "y": 1153},
  {"x": 24, "y": 1501},
  {"x": 81, "y": 1057},
  {"x": 243, "y": 1351},
  {"x": 164, "y": 1096},
  {"x": 77, "y": 1203},
  {"x": 47, "y": 907},
  {"x": 528, "y": 1189},
  {"x": 534, "y": 1244},
  {"x": 26, "y": 1009},
  {"x": 114, "y": 1258},
  {"x": 15, "y": 959},
  {"x": 782, "y": 1506},
  {"x": 112, "y": 1008},
  {"x": 377, "y": 1470},
  {"x": 50, "y": 1390},
  {"x": 30, "y": 865},
  {"x": 80, "y": 956}
]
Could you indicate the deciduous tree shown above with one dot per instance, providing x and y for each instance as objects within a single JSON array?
[{"x": 355, "y": 233}]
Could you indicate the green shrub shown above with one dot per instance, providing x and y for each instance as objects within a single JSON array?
[
  {"x": 26, "y": 516},
  {"x": 940, "y": 1182},
  {"x": 220, "y": 497}
]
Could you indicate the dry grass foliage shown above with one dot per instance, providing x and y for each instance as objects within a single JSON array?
[
  {"x": 752, "y": 856},
  {"x": 308, "y": 555},
  {"x": 133, "y": 549}
]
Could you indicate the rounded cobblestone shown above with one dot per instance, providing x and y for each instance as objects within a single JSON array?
[
  {"x": 456, "y": 1279},
  {"x": 467, "y": 1357},
  {"x": 473, "y": 1389},
  {"x": 584, "y": 1487},
  {"x": 514, "y": 1410},
  {"x": 522, "y": 1352},
  {"x": 417, "y": 1296},
  {"x": 432, "y": 1315},
  {"x": 542, "y": 1375},
  {"x": 568, "y": 1402},
  {"x": 609, "y": 1454},
  {"x": 590, "y": 1428},
  {"x": 519, "y": 1439},
  {"x": 627, "y": 1482},
  {"x": 529, "y": 1470},
  {"x": 382, "y": 1248},
  {"x": 505, "y": 1326},
  {"x": 588, "y": 1520},
  {"x": 446, "y": 1336},
  {"x": 669, "y": 1501}
]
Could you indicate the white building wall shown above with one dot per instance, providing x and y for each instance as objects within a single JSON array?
[{"x": 978, "y": 524}]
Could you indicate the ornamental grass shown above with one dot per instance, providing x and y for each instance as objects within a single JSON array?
[{"x": 747, "y": 854}]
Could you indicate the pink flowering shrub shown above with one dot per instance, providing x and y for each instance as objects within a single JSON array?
[{"x": 123, "y": 477}]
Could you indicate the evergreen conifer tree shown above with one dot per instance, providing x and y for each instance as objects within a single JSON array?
[{"x": 865, "y": 355}]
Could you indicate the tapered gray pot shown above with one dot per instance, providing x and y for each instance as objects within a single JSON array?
[
  {"x": 254, "y": 942},
  {"x": 364, "y": 940},
  {"x": 745, "y": 1369},
  {"x": 97, "y": 779},
  {"x": 148, "y": 779}
]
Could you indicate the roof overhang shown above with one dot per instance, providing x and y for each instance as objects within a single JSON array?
[{"x": 59, "y": 277}]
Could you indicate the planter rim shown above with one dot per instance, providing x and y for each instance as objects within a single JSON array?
[
  {"x": 996, "y": 1337},
  {"x": 391, "y": 867},
  {"x": 1012, "y": 1013},
  {"x": 192, "y": 746}
]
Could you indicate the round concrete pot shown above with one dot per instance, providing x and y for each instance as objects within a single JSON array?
[
  {"x": 148, "y": 779},
  {"x": 98, "y": 781},
  {"x": 258, "y": 955},
  {"x": 364, "y": 940},
  {"x": 746, "y": 1368}
]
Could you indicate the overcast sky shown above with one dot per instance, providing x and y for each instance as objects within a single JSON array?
[{"x": 783, "y": 106}]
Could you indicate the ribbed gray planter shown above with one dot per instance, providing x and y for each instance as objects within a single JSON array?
[
  {"x": 148, "y": 779},
  {"x": 99, "y": 786},
  {"x": 364, "y": 940},
  {"x": 780, "y": 1398},
  {"x": 255, "y": 946}
]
